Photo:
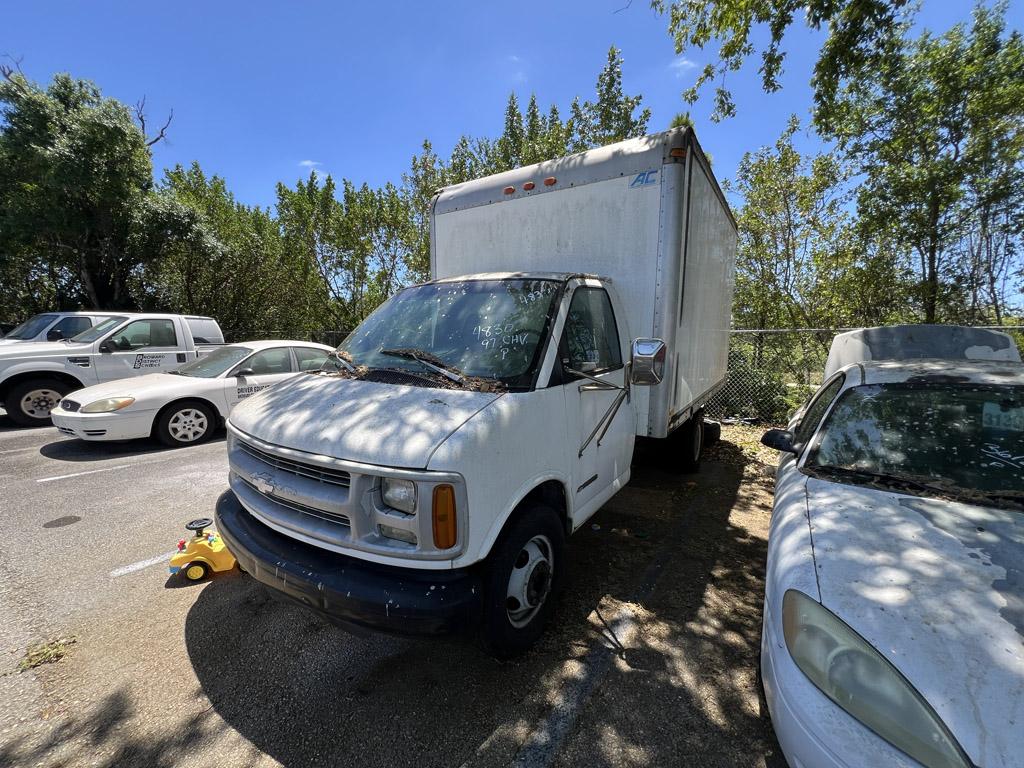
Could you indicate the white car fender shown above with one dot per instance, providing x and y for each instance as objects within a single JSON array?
[{"x": 43, "y": 367}]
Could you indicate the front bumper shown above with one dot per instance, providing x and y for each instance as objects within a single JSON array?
[
  {"x": 350, "y": 592},
  {"x": 103, "y": 426}
]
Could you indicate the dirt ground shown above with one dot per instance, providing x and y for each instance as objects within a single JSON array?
[{"x": 651, "y": 660}]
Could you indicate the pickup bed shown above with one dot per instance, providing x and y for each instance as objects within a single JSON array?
[{"x": 35, "y": 376}]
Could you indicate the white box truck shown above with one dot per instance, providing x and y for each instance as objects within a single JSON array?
[{"x": 426, "y": 481}]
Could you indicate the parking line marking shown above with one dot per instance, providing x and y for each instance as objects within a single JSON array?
[
  {"x": 79, "y": 474},
  {"x": 19, "y": 450},
  {"x": 126, "y": 569}
]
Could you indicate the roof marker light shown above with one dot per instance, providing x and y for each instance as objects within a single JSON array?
[
  {"x": 550, "y": 181},
  {"x": 509, "y": 190},
  {"x": 529, "y": 185},
  {"x": 677, "y": 152}
]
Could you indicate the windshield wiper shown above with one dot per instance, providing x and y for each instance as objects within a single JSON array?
[
  {"x": 882, "y": 478},
  {"x": 343, "y": 358},
  {"x": 428, "y": 360}
]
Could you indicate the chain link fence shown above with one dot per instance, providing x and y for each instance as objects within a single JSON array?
[{"x": 772, "y": 372}]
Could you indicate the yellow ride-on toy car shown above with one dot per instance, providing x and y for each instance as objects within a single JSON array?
[{"x": 203, "y": 553}]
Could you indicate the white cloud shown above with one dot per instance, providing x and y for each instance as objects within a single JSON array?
[
  {"x": 681, "y": 66},
  {"x": 309, "y": 163},
  {"x": 518, "y": 67}
]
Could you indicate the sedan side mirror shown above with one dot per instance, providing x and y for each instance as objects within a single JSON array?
[
  {"x": 241, "y": 373},
  {"x": 779, "y": 439},
  {"x": 647, "y": 366}
]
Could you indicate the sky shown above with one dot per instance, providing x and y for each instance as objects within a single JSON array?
[{"x": 266, "y": 91}]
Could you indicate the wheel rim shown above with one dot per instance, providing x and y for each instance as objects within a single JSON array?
[
  {"x": 188, "y": 425},
  {"x": 38, "y": 403},
  {"x": 529, "y": 583},
  {"x": 194, "y": 572}
]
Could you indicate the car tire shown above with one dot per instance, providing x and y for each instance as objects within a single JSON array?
[
  {"x": 712, "y": 432},
  {"x": 196, "y": 571},
  {"x": 29, "y": 403},
  {"x": 690, "y": 443},
  {"x": 525, "y": 573},
  {"x": 187, "y": 422}
]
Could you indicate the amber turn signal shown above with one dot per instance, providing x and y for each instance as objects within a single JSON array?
[{"x": 446, "y": 527}]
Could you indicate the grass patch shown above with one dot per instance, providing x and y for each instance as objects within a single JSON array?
[{"x": 45, "y": 653}]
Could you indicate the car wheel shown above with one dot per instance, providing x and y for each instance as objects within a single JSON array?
[
  {"x": 525, "y": 572},
  {"x": 29, "y": 403},
  {"x": 196, "y": 571},
  {"x": 185, "y": 423},
  {"x": 691, "y": 443}
]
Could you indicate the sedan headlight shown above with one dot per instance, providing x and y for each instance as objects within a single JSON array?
[
  {"x": 108, "y": 404},
  {"x": 847, "y": 669},
  {"x": 399, "y": 494}
]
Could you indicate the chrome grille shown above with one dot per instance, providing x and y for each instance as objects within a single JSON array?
[
  {"x": 338, "y": 477},
  {"x": 330, "y": 517}
]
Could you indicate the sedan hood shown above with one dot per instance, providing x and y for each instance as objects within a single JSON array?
[
  {"x": 368, "y": 422},
  {"x": 134, "y": 386},
  {"x": 938, "y": 588}
]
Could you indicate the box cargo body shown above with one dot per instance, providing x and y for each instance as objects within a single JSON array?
[{"x": 646, "y": 214}]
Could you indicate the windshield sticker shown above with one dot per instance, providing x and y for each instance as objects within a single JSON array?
[
  {"x": 148, "y": 361},
  {"x": 995, "y": 416}
]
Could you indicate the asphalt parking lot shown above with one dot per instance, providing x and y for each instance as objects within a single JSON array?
[{"x": 652, "y": 659}]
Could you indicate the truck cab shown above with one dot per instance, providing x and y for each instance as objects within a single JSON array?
[
  {"x": 52, "y": 326},
  {"x": 427, "y": 478},
  {"x": 35, "y": 376}
]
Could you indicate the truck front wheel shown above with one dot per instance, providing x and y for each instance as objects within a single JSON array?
[
  {"x": 525, "y": 573},
  {"x": 30, "y": 402}
]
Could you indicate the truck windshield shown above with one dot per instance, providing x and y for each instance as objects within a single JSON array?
[
  {"x": 948, "y": 440},
  {"x": 490, "y": 329},
  {"x": 89, "y": 336},
  {"x": 214, "y": 364},
  {"x": 31, "y": 327}
]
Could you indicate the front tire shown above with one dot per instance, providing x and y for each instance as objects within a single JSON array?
[
  {"x": 525, "y": 572},
  {"x": 185, "y": 423},
  {"x": 29, "y": 403}
]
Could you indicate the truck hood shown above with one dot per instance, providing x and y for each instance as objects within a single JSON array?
[
  {"x": 368, "y": 422},
  {"x": 29, "y": 349},
  {"x": 938, "y": 588}
]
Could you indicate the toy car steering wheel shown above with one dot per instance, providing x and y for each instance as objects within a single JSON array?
[{"x": 199, "y": 525}]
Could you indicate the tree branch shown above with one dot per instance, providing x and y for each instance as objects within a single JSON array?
[{"x": 140, "y": 115}]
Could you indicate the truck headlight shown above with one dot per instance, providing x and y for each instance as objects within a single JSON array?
[
  {"x": 847, "y": 669},
  {"x": 108, "y": 404},
  {"x": 399, "y": 494}
]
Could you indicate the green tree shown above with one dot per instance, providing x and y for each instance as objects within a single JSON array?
[
  {"x": 509, "y": 146},
  {"x": 857, "y": 30},
  {"x": 937, "y": 132},
  {"x": 612, "y": 115},
  {"x": 76, "y": 189}
]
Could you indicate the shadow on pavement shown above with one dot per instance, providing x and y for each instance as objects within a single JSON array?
[{"x": 85, "y": 450}]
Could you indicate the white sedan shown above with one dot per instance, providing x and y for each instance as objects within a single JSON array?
[
  {"x": 184, "y": 406},
  {"x": 894, "y": 600}
]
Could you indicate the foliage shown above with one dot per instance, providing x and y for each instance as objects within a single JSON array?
[
  {"x": 937, "y": 133},
  {"x": 856, "y": 33}
]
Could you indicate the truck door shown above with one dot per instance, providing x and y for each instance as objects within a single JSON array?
[
  {"x": 143, "y": 346},
  {"x": 601, "y": 430},
  {"x": 257, "y": 372}
]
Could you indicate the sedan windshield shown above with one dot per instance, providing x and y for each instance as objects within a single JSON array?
[
  {"x": 960, "y": 441},
  {"x": 486, "y": 329},
  {"x": 31, "y": 327},
  {"x": 215, "y": 363},
  {"x": 98, "y": 330}
]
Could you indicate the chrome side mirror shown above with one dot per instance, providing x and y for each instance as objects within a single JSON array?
[{"x": 647, "y": 366}]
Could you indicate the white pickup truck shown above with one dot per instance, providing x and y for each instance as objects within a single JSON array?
[
  {"x": 35, "y": 376},
  {"x": 53, "y": 326},
  {"x": 427, "y": 480}
]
